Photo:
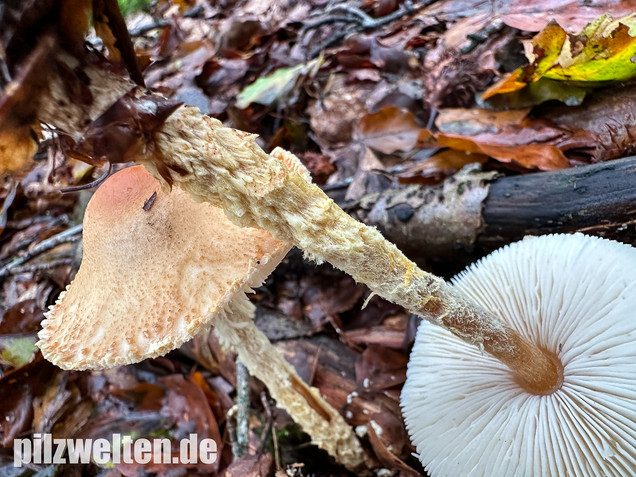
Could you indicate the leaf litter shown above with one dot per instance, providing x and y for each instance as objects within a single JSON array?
[{"x": 403, "y": 97}]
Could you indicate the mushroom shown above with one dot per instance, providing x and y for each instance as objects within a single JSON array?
[
  {"x": 574, "y": 297},
  {"x": 158, "y": 269},
  {"x": 226, "y": 168}
]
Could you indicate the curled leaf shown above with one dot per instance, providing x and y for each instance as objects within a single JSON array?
[{"x": 602, "y": 52}]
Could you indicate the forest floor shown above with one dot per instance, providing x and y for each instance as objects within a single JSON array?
[{"x": 371, "y": 96}]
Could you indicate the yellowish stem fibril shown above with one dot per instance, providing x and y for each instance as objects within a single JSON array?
[
  {"x": 328, "y": 429},
  {"x": 227, "y": 168}
]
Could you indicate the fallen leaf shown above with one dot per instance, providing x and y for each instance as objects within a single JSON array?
[
  {"x": 507, "y": 136},
  {"x": 439, "y": 166},
  {"x": 382, "y": 367},
  {"x": 17, "y": 147},
  {"x": 602, "y": 52},
  {"x": 274, "y": 88},
  {"x": 18, "y": 388},
  {"x": 389, "y": 130},
  {"x": 532, "y": 16},
  {"x": 608, "y": 114},
  {"x": 23, "y": 317},
  {"x": 251, "y": 466},
  {"x": 18, "y": 351},
  {"x": 382, "y": 436}
]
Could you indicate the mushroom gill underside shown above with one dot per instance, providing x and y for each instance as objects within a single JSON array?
[{"x": 572, "y": 295}]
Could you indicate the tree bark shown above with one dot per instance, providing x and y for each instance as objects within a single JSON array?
[{"x": 599, "y": 199}]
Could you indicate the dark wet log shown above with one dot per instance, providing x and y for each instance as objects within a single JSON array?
[{"x": 598, "y": 199}]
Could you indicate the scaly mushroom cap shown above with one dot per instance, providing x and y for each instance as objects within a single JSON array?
[
  {"x": 153, "y": 274},
  {"x": 572, "y": 295}
]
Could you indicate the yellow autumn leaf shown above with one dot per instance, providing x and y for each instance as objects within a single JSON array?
[{"x": 602, "y": 52}]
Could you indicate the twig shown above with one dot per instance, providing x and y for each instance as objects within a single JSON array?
[
  {"x": 36, "y": 267},
  {"x": 358, "y": 20},
  {"x": 231, "y": 429},
  {"x": 242, "y": 408},
  {"x": 4, "y": 212},
  {"x": 163, "y": 22},
  {"x": 267, "y": 429},
  {"x": 143, "y": 29},
  {"x": 70, "y": 235}
]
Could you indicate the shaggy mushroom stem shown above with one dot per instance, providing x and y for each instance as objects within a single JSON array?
[
  {"x": 226, "y": 168},
  {"x": 328, "y": 429}
]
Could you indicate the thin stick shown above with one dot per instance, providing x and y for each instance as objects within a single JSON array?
[
  {"x": 38, "y": 267},
  {"x": 242, "y": 408},
  {"x": 69, "y": 235},
  {"x": 272, "y": 426}
]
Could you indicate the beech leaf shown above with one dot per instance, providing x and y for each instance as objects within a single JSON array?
[
  {"x": 601, "y": 52},
  {"x": 389, "y": 130}
]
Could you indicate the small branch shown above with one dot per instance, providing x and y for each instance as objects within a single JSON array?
[
  {"x": 242, "y": 408},
  {"x": 37, "y": 267},
  {"x": 68, "y": 236},
  {"x": 143, "y": 29},
  {"x": 357, "y": 20},
  {"x": 269, "y": 426}
]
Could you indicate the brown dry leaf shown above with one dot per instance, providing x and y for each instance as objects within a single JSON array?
[
  {"x": 507, "y": 136},
  {"x": 389, "y": 130},
  {"x": 391, "y": 334},
  {"x": 18, "y": 389},
  {"x": 608, "y": 115},
  {"x": 17, "y": 147},
  {"x": 533, "y": 16},
  {"x": 542, "y": 156},
  {"x": 334, "y": 118},
  {"x": 213, "y": 400},
  {"x": 382, "y": 367},
  {"x": 388, "y": 438},
  {"x": 251, "y": 466},
  {"x": 319, "y": 165},
  {"x": 439, "y": 166},
  {"x": 23, "y": 317}
]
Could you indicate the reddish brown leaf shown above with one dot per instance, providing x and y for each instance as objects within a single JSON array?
[
  {"x": 507, "y": 136},
  {"x": 17, "y": 391},
  {"x": 251, "y": 466},
  {"x": 387, "y": 437},
  {"x": 390, "y": 130},
  {"x": 439, "y": 166},
  {"x": 381, "y": 367}
]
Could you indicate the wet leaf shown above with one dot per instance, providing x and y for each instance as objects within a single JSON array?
[
  {"x": 507, "y": 136},
  {"x": 251, "y": 466},
  {"x": 602, "y": 52},
  {"x": 274, "y": 88},
  {"x": 382, "y": 367},
  {"x": 439, "y": 166},
  {"x": 17, "y": 147},
  {"x": 18, "y": 351},
  {"x": 18, "y": 388},
  {"x": 388, "y": 439},
  {"x": 390, "y": 130}
]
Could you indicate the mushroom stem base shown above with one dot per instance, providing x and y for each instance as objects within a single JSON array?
[{"x": 326, "y": 427}]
